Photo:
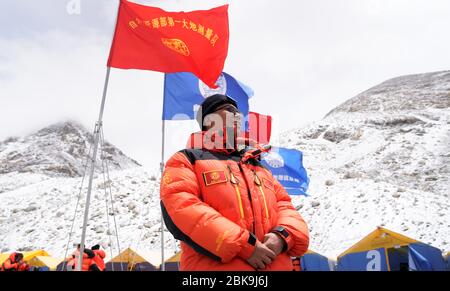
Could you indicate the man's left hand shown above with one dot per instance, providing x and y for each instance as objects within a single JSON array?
[{"x": 274, "y": 242}]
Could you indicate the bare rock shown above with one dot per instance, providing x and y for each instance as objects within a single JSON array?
[
  {"x": 329, "y": 183},
  {"x": 352, "y": 175},
  {"x": 315, "y": 204},
  {"x": 131, "y": 205},
  {"x": 30, "y": 208},
  {"x": 336, "y": 135}
]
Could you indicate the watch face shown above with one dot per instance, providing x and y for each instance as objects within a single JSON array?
[{"x": 282, "y": 231}]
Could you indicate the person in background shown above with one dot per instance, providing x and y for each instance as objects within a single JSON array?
[
  {"x": 88, "y": 263},
  {"x": 15, "y": 263},
  {"x": 99, "y": 257}
]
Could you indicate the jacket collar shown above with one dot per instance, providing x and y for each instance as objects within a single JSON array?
[{"x": 214, "y": 142}]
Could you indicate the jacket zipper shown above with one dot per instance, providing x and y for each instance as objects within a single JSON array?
[
  {"x": 238, "y": 191},
  {"x": 259, "y": 184},
  {"x": 249, "y": 196}
]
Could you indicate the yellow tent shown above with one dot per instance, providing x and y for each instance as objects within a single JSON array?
[
  {"x": 174, "y": 259},
  {"x": 27, "y": 256},
  {"x": 447, "y": 260},
  {"x": 132, "y": 257},
  {"x": 380, "y": 238},
  {"x": 173, "y": 263},
  {"x": 45, "y": 261},
  {"x": 3, "y": 257}
]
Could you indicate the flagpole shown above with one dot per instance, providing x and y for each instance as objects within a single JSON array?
[
  {"x": 163, "y": 138},
  {"x": 163, "y": 267},
  {"x": 96, "y": 137},
  {"x": 97, "y": 131}
]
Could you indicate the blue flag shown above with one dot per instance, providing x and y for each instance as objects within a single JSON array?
[
  {"x": 184, "y": 92},
  {"x": 286, "y": 166}
]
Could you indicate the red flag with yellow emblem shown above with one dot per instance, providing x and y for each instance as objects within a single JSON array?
[{"x": 149, "y": 38}]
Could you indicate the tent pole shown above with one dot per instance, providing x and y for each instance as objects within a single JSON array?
[
  {"x": 163, "y": 265},
  {"x": 96, "y": 137}
]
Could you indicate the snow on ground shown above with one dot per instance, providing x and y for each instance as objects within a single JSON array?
[
  {"x": 373, "y": 165},
  {"x": 380, "y": 159},
  {"x": 40, "y": 215}
]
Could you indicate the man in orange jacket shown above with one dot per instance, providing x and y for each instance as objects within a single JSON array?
[
  {"x": 88, "y": 261},
  {"x": 227, "y": 210},
  {"x": 14, "y": 263},
  {"x": 99, "y": 257}
]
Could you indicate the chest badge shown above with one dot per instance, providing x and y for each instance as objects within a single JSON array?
[{"x": 214, "y": 177}]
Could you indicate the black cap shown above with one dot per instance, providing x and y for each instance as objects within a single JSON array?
[{"x": 211, "y": 104}]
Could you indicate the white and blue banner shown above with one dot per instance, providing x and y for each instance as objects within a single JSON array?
[
  {"x": 184, "y": 92},
  {"x": 286, "y": 166}
]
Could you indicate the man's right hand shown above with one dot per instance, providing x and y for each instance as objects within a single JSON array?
[{"x": 261, "y": 257}]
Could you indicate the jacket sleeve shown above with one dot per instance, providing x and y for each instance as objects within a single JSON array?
[
  {"x": 289, "y": 218},
  {"x": 7, "y": 265},
  {"x": 196, "y": 223},
  {"x": 101, "y": 253}
]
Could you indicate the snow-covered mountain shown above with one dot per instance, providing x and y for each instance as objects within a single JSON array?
[
  {"x": 59, "y": 150},
  {"x": 40, "y": 180},
  {"x": 381, "y": 158}
]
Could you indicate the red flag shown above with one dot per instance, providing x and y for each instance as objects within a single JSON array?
[
  {"x": 259, "y": 127},
  {"x": 149, "y": 38}
]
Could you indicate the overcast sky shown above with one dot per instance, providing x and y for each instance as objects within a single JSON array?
[{"x": 302, "y": 58}]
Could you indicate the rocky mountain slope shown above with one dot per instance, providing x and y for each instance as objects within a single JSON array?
[
  {"x": 381, "y": 158},
  {"x": 58, "y": 150}
]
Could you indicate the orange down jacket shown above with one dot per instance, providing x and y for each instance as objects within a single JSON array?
[
  {"x": 99, "y": 259},
  {"x": 10, "y": 264},
  {"x": 216, "y": 205},
  {"x": 87, "y": 263}
]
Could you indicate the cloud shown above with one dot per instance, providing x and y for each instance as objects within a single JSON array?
[
  {"x": 302, "y": 58},
  {"x": 22, "y": 18}
]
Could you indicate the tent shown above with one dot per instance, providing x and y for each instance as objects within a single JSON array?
[
  {"x": 135, "y": 260},
  {"x": 385, "y": 250},
  {"x": 173, "y": 263},
  {"x": 27, "y": 256},
  {"x": 312, "y": 261},
  {"x": 423, "y": 257},
  {"x": 45, "y": 261},
  {"x": 37, "y": 258},
  {"x": 447, "y": 261},
  {"x": 3, "y": 257}
]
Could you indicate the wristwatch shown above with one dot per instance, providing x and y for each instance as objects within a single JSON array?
[
  {"x": 283, "y": 233},
  {"x": 252, "y": 239},
  {"x": 280, "y": 230}
]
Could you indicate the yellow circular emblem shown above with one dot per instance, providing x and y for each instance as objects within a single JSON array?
[{"x": 215, "y": 176}]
